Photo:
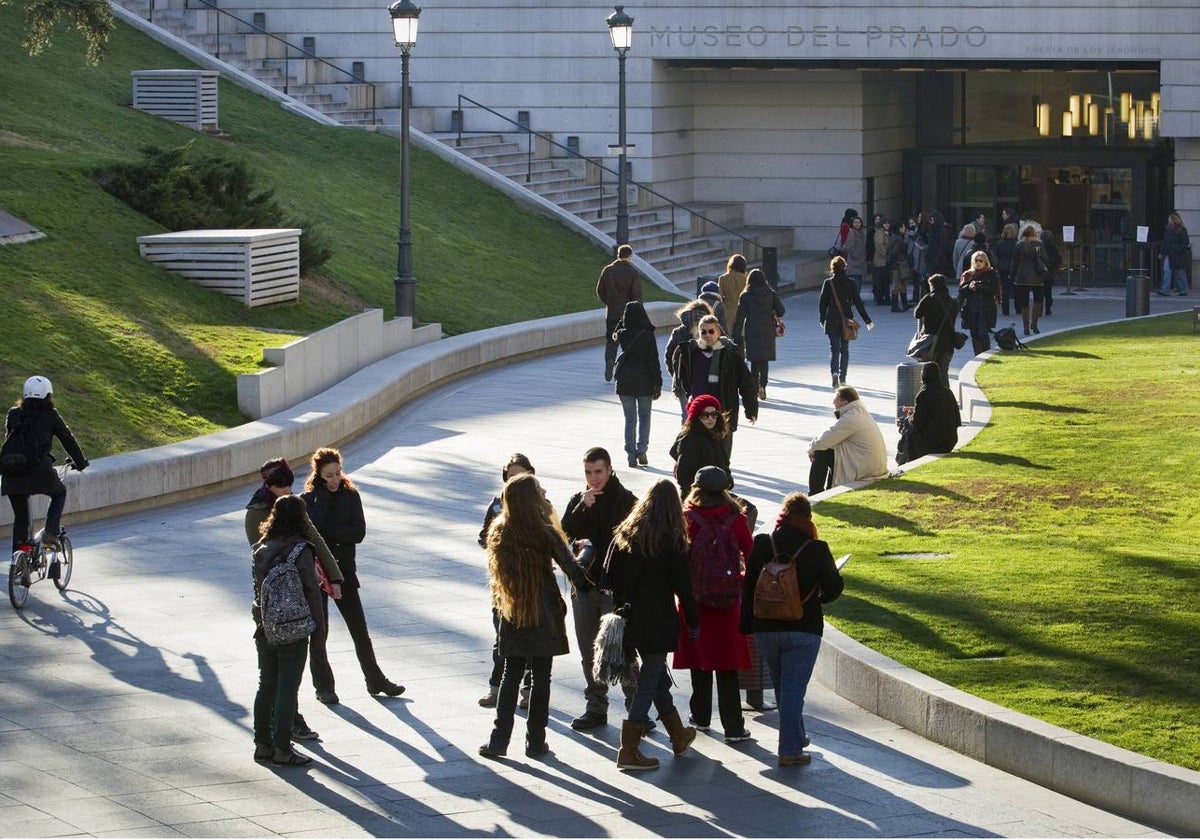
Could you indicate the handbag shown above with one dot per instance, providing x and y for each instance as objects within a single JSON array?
[
  {"x": 849, "y": 325},
  {"x": 780, "y": 327},
  {"x": 835, "y": 250},
  {"x": 960, "y": 340},
  {"x": 920, "y": 346}
]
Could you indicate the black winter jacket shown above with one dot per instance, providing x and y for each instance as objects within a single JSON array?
[
  {"x": 847, "y": 295},
  {"x": 814, "y": 568},
  {"x": 48, "y": 424},
  {"x": 638, "y": 372},
  {"x": 935, "y": 421},
  {"x": 598, "y": 522},
  {"x": 936, "y": 312},
  {"x": 754, "y": 331},
  {"x": 339, "y": 520},
  {"x": 649, "y": 585},
  {"x": 693, "y": 451},
  {"x": 733, "y": 378}
]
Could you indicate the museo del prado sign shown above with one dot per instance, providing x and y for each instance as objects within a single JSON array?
[{"x": 894, "y": 36}]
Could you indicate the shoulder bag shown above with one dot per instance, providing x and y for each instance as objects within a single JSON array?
[
  {"x": 849, "y": 325},
  {"x": 920, "y": 347}
]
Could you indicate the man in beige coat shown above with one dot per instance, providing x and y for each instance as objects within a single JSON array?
[{"x": 852, "y": 449}]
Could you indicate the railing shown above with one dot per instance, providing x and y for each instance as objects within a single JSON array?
[
  {"x": 530, "y": 134},
  {"x": 287, "y": 48}
]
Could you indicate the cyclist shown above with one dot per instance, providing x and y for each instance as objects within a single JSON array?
[{"x": 36, "y": 407}]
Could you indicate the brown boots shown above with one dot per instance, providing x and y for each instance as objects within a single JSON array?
[
  {"x": 629, "y": 757},
  {"x": 681, "y": 736},
  {"x": 1033, "y": 319}
]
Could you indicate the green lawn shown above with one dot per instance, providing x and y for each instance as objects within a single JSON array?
[
  {"x": 140, "y": 357},
  {"x": 1070, "y": 585}
]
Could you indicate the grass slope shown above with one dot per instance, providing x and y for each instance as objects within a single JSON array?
[
  {"x": 140, "y": 357},
  {"x": 1069, "y": 586}
]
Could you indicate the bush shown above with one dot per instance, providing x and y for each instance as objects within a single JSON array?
[{"x": 183, "y": 190}]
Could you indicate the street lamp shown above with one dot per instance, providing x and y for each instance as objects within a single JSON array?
[
  {"x": 405, "y": 15},
  {"x": 620, "y": 27}
]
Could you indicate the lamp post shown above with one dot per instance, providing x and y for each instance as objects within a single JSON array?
[
  {"x": 620, "y": 27},
  {"x": 404, "y": 15}
]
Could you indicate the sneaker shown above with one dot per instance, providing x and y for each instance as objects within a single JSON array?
[
  {"x": 642, "y": 459},
  {"x": 523, "y": 702},
  {"x": 55, "y": 569},
  {"x": 1183, "y": 294},
  {"x": 263, "y": 753},
  {"x": 301, "y": 732},
  {"x": 1161, "y": 292},
  {"x": 327, "y": 696},
  {"x": 589, "y": 720},
  {"x": 536, "y": 750},
  {"x": 490, "y": 751},
  {"x": 738, "y": 737},
  {"x": 697, "y": 725},
  {"x": 798, "y": 760},
  {"x": 633, "y": 461},
  {"x": 488, "y": 701},
  {"x": 49, "y": 542},
  {"x": 289, "y": 758},
  {"x": 835, "y": 382}
]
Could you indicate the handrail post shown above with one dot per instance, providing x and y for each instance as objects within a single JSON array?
[
  {"x": 528, "y": 156},
  {"x": 287, "y": 67},
  {"x": 218, "y": 33}
]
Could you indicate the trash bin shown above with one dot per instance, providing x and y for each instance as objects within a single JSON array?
[
  {"x": 1137, "y": 293},
  {"x": 908, "y": 382}
]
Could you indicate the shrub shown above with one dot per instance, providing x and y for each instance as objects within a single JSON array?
[{"x": 182, "y": 189}]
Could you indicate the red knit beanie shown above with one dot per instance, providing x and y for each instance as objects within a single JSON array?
[{"x": 698, "y": 404}]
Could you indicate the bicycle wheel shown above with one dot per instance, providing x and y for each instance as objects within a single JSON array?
[
  {"x": 18, "y": 579},
  {"x": 66, "y": 562}
]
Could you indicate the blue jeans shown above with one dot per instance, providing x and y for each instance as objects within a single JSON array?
[
  {"x": 653, "y": 687},
  {"x": 790, "y": 658},
  {"x": 637, "y": 423},
  {"x": 1178, "y": 278},
  {"x": 839, "y": 355}
]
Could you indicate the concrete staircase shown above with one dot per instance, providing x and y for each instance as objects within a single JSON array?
[
  {"x": 308, "y": 81},
  {"x": 681, "y": 243}
]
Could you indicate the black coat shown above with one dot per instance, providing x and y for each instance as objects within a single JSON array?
[
  {"x": 754, "y": 330},
  {"x": 935, "y": 421},
  {"x": 847, "y": 295},
  {"x": 814, "y": 568},
  {"x": 598, "y": 522},
  {"x": 549, "y": 636},
  {"x": 340, "y": 522},
  {"x": 936, "y": 312},
  {"x": 692, "y": 451},
  {"x": 48, "y": 424},
  {"x": 649, "y": 585},
  {"x": 733, "y": 378},
  {"x": 638, "y": 372},
  {"x": 1026, "y": 257}
]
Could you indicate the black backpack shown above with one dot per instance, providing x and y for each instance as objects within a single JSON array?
[
  {"x": 19, "y": 455},
  {"x": 1006, "y": 338}
]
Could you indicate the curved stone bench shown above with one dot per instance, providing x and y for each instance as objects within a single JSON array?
[{"x": 1092, "y": 771}]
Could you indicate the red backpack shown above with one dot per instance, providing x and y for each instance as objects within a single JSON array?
[{"x": 716, "y": 560}]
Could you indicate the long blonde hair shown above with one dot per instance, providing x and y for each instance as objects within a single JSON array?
[
  {"x": 655, "y": 524},
  {"x": 520, "y": 544}
]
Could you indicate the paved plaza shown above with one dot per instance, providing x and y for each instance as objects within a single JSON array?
[{"x": 125, "y": 702}]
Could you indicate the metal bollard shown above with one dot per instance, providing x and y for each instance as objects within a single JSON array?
[
  {"x": 1137, "y": 293},
  {"x": 908, "y": 382}
]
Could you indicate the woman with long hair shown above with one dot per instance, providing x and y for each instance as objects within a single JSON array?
[
  {"x": 935, "y": 314},
  {"x": 647, "y": 569},
  {"x": 335, "y": 507},
  {"x": 754, "y": 328},
  {"x": 977, "y": 291},
  {"x": 790, "y": 648},
  {"x": 731, "y": 284},
  {"x": 838, "y": 293},
  {"x": 699, "y": 443},
  {"x": 711, "y": 511},
  {"x": 689, "y": 316},
  {"x": 281, "y": 667},
  {"x": 524, "y": 544},
  {"x": 1175, "y": 246},
  {"x": 1003, "y": 265}
]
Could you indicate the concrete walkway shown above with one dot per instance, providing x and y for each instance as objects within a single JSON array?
[{"x": 125, "y": 703}]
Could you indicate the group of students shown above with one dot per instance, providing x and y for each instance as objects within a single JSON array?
[{"x": 637, "y": 557}]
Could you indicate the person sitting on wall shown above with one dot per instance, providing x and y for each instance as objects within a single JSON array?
[{"x": 852, "y": 449}]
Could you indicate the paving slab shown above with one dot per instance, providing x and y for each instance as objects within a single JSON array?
[{"x": 125, "y": 702}]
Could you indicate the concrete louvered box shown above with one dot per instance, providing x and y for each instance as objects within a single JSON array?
[
  {"x": 187, "y": 97},
  {"x": 259, "y": 266}
]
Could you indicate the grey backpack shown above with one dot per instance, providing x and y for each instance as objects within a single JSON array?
[{"x": 286, "y": 616}]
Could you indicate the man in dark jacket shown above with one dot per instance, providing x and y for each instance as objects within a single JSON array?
[
  {"x": 619, "y": 283},
  {"x": 712, "y": 364},
  {"x": 593, "y": 514}
]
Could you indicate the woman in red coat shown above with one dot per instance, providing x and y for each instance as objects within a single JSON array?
[{"x": 721, "y": 648}]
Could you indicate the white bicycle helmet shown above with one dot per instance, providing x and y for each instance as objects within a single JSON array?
[{"x": 37, "y": 388}]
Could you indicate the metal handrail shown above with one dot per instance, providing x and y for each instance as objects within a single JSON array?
[
  {"x": 594, "y": 161},
  {"x": 288, "y": 46}
]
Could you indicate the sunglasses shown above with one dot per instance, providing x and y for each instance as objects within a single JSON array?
[
  {"x": 709, "y": 332},
  {"x": 708, "y": 415}
]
